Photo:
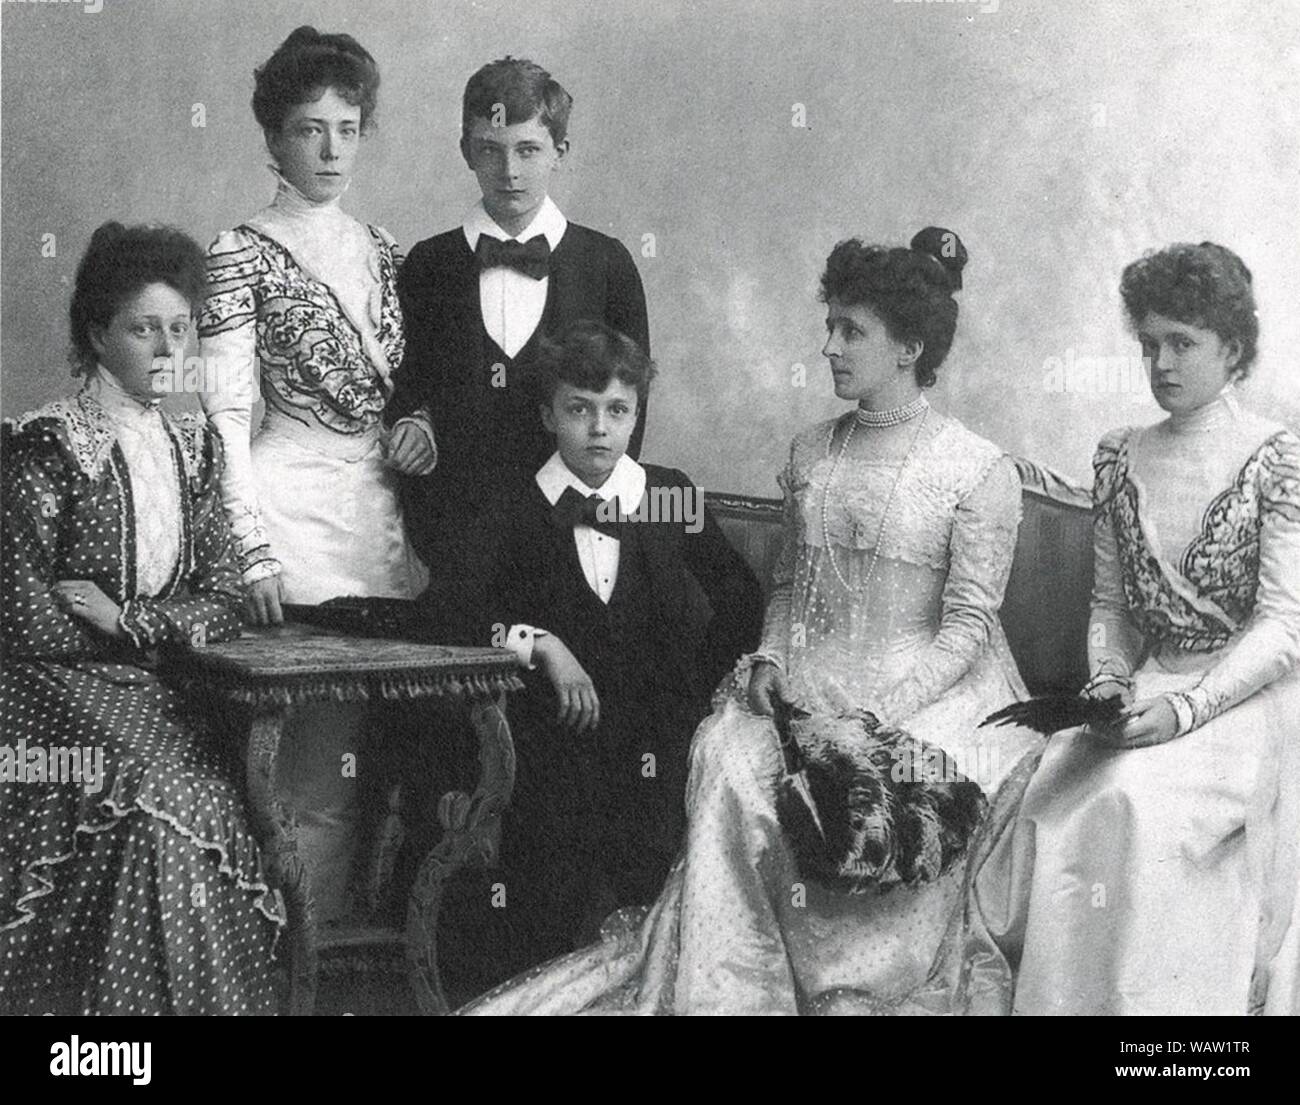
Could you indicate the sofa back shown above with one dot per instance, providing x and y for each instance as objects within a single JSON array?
[{"x": 1045, "y": 610}]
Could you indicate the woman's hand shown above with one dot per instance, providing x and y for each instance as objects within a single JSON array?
[
  {"x": 84, "y": 600},
  {"x": 579, "y": 704},
  {"x": 766, "y": 681},
  {"x": 262, "y": 600},
  {"x": 1105, "y": 687},
  {"x": 410, "y": 451},
  {"x": 1150, "y": 721}
]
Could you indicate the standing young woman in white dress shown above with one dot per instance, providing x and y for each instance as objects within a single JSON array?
[
  {"x": 1152, "y": 870},
  {"x": 307, "y": 295}
]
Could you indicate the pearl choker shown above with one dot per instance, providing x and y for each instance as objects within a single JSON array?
[{"x": 895, "y": 416}]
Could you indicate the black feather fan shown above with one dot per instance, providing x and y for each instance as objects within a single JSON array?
[{"x": 1052, "y": 713}]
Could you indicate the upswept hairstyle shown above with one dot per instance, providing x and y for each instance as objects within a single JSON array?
[
  {"x": 587, "y": 355},
  {"x": 304, "y": 66},
  {"x": 1204, "y": 285},
  {"x": 909, "y": 290},
  {"x": 524, "y": 89},
  {"x": 118, "y": 263}
]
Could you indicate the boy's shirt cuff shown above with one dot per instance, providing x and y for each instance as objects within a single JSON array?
[{"x": 520, "y": 641}]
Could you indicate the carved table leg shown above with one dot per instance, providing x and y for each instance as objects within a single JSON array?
[
  {"x": 277, "y": 833},
  {"x": 471, "y": 834}
]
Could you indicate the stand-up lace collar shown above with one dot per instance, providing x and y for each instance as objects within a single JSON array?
[
  {"x": 118, "y": 403},
  {"x": 1219, "y": 412},
  {"x": 290, "y": 203}
]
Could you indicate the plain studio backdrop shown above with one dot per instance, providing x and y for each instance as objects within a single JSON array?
[{"x": 1060, "y": 139}]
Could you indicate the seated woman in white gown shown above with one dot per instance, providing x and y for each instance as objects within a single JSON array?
[
  {"x": 1152, "y": 868},
  {"x": 899, "y": 534}
]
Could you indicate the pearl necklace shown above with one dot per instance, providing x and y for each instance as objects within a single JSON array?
[
  {"x": 895, "y": 416},
  {"x": 916, "y": 407}
]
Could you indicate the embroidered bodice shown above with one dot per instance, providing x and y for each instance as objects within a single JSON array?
[
  {"x": 305, "y": 297},
  {"x": 320, "y": 364},
  {"x": 1197, "y": 552},
  {"x": 917, "y": 612}
]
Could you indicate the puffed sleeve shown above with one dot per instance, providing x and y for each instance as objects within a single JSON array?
[
  {"x": 1115, "y": 644},
  {"x": 625, "y": 310},
  {"x": 1269, "y": 647},
  {"x": 775, "y": 642},
  {"x": 40, "y": 480},
  {"x": 980, "y": 551},
  {"x": 207, "y": 607},
  {"x": 228, "y": 342}
]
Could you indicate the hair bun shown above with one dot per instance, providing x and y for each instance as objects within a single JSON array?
[
  {"x": 106, "y": 234},
  {"x": 946, "y": 248},
  {"x": 308, "y": 37}
]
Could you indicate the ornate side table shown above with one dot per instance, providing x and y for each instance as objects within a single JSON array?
[{"x": 266, "y": 672}]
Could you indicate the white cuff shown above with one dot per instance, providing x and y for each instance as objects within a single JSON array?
[
  {"x": 264, "y": 568},
  {"x": 520, "y": 641},
  {"x": 769, "y": 657}
]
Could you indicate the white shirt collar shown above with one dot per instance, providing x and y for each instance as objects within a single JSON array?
[
  {"x": 549, "y": 221},
  {"x": 627, "y": 481}
]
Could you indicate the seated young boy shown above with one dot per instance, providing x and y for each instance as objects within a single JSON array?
[
  {"x": 620, "y": 591},
  {"x": 477, "y": 299}
]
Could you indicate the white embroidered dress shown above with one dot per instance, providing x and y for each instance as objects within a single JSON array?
[{"x": 306, "y": 295}]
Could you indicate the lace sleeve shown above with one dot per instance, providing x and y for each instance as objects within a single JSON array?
[
  {"x": 1270, "y": 646},
  {"x": 1115, "y": 644},
  {"x": 981, "y": 549},
  {"x": 228, "y": 336}
]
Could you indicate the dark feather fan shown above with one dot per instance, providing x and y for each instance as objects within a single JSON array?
[
  {"x": 1052, "y": 713},
  {"x": 877, "y": 807}
]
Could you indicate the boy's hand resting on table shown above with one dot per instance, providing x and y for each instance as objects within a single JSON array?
[
  {"x": 84, "y": 600},
  {"x": 765, "y": 681},
  {"x": 579, "y": 704}
]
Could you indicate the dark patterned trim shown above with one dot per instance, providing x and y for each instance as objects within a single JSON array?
[{"x": 1221, "y": 563}]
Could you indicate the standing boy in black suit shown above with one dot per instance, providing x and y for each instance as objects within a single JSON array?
[
  {"x": 615, "y": 585},
  {"x": 478, "y": 298}
]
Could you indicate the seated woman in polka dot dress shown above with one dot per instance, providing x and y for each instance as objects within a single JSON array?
[{"x": 129, "y": 881}]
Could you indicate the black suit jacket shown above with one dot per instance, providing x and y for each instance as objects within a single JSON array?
[
  {"x": 519, "y": 568},
  {"x": 483, "y": 428}
]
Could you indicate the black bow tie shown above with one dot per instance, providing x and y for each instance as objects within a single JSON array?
[
  {"x": 573, "y": 509},
  {"x": 532, "y": 258}
]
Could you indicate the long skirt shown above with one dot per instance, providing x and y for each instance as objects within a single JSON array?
[
  {"x": 1157, "y": 880},
  {"x": 131, "y": 885},
  {"x": 737, "y": 929}
]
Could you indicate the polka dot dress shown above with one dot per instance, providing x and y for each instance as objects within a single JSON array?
[{"x": 138, "y": 890}]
